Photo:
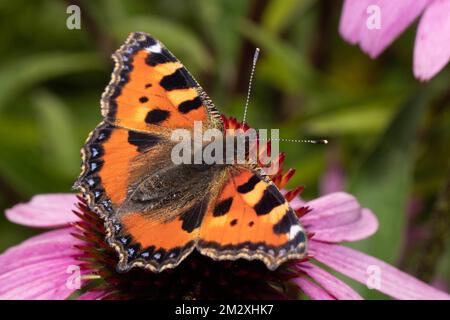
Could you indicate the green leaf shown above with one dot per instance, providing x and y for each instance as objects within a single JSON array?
[
  {"x": 218, "y": 20},
  {"x": 279, "y": 13},
  {"x": 284, "y": 65},
  {"x": 24, "y": 164},
  {"x": 360, "y": 119},
  {"x": 383, "y": 181},
  {"x": 57, "y": 132},
  {"x": 17, "y": 76},
  {"x": 20, "y": 165}
]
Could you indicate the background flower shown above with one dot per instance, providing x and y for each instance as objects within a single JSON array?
[{"x": 432, "y": 44}]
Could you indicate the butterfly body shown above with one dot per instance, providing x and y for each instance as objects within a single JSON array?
[{"x": 156, "y": 211}]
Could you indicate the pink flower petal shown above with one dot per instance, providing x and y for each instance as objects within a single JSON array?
[
  {"x": 364, "y": 226},
  {"x": 353, "y": 17},
  {"x": 330, "y": 283},
  {"x": 312, "y": 290},
  {"x": 333, "y": 209},
  {"x": 395, "y": 17},
  {"x": 46, "y": 210},
  {"x": 37, "y": 268},
  {"x": 364, "y": 268},
  {"x": 432, "y": 47},
  {"x": 41, "y": 281},
  {"x": 338, "y": 217},
  {"x": 46, "y": 246}
]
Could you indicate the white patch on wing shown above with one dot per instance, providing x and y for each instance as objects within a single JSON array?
[
  {"x": 156, "y": 48},
  {"x": 294, "y": 230}
]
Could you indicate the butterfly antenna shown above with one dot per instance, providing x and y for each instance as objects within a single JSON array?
[
  {"x": 244, "y": 118},
  {"x": 255, "y": 58},
  {"x": 313, "y": 141}
]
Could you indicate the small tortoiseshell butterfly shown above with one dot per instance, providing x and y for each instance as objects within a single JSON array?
[{"x": 156, "y": 212}]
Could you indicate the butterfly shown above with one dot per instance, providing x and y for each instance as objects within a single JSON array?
[{"x": 156, "y": 212}]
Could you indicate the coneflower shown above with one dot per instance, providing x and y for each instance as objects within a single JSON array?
[{"x": 74, "y": 260}]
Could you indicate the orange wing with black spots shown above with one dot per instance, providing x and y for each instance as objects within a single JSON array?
[
  {"x": 113, "y": 160},
  {"x": 157, "y": 212},
  {"x": 151, "y": 89},
  {"x": 108, "y": 158},
  {"x": 251, "y": 219},
  {"x": 150, "y": 94}
]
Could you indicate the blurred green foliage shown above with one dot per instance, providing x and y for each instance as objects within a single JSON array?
[{"x": 389, "y": 133}]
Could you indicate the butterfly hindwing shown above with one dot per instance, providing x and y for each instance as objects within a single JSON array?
[{"x": 251, "y": 219}]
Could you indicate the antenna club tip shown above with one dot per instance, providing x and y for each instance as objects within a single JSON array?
[
  {"x": 255, "y": 57},
  {"x": 322, "y": 141}
]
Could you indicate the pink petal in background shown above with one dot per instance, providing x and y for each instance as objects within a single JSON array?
[
  {"x": 312, "y": 290},
  {"x": 396, "y": 16},
  {"x": 432, "y": 47},
  {"x": 356, "y": 265},
  {"x": 353, "y": 17},
  {"x": 37, "y": 268},
  {"x": 331, "y": 210},
  {"x": 361, "y": 228},
  {"x": 330, "y": 283},
  {"x": 44, "y": 211}
]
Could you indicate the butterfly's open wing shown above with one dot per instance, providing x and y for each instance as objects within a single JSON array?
[
  {"x": 251, "y": 219},
  {"x": 126, "y": 157}
]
